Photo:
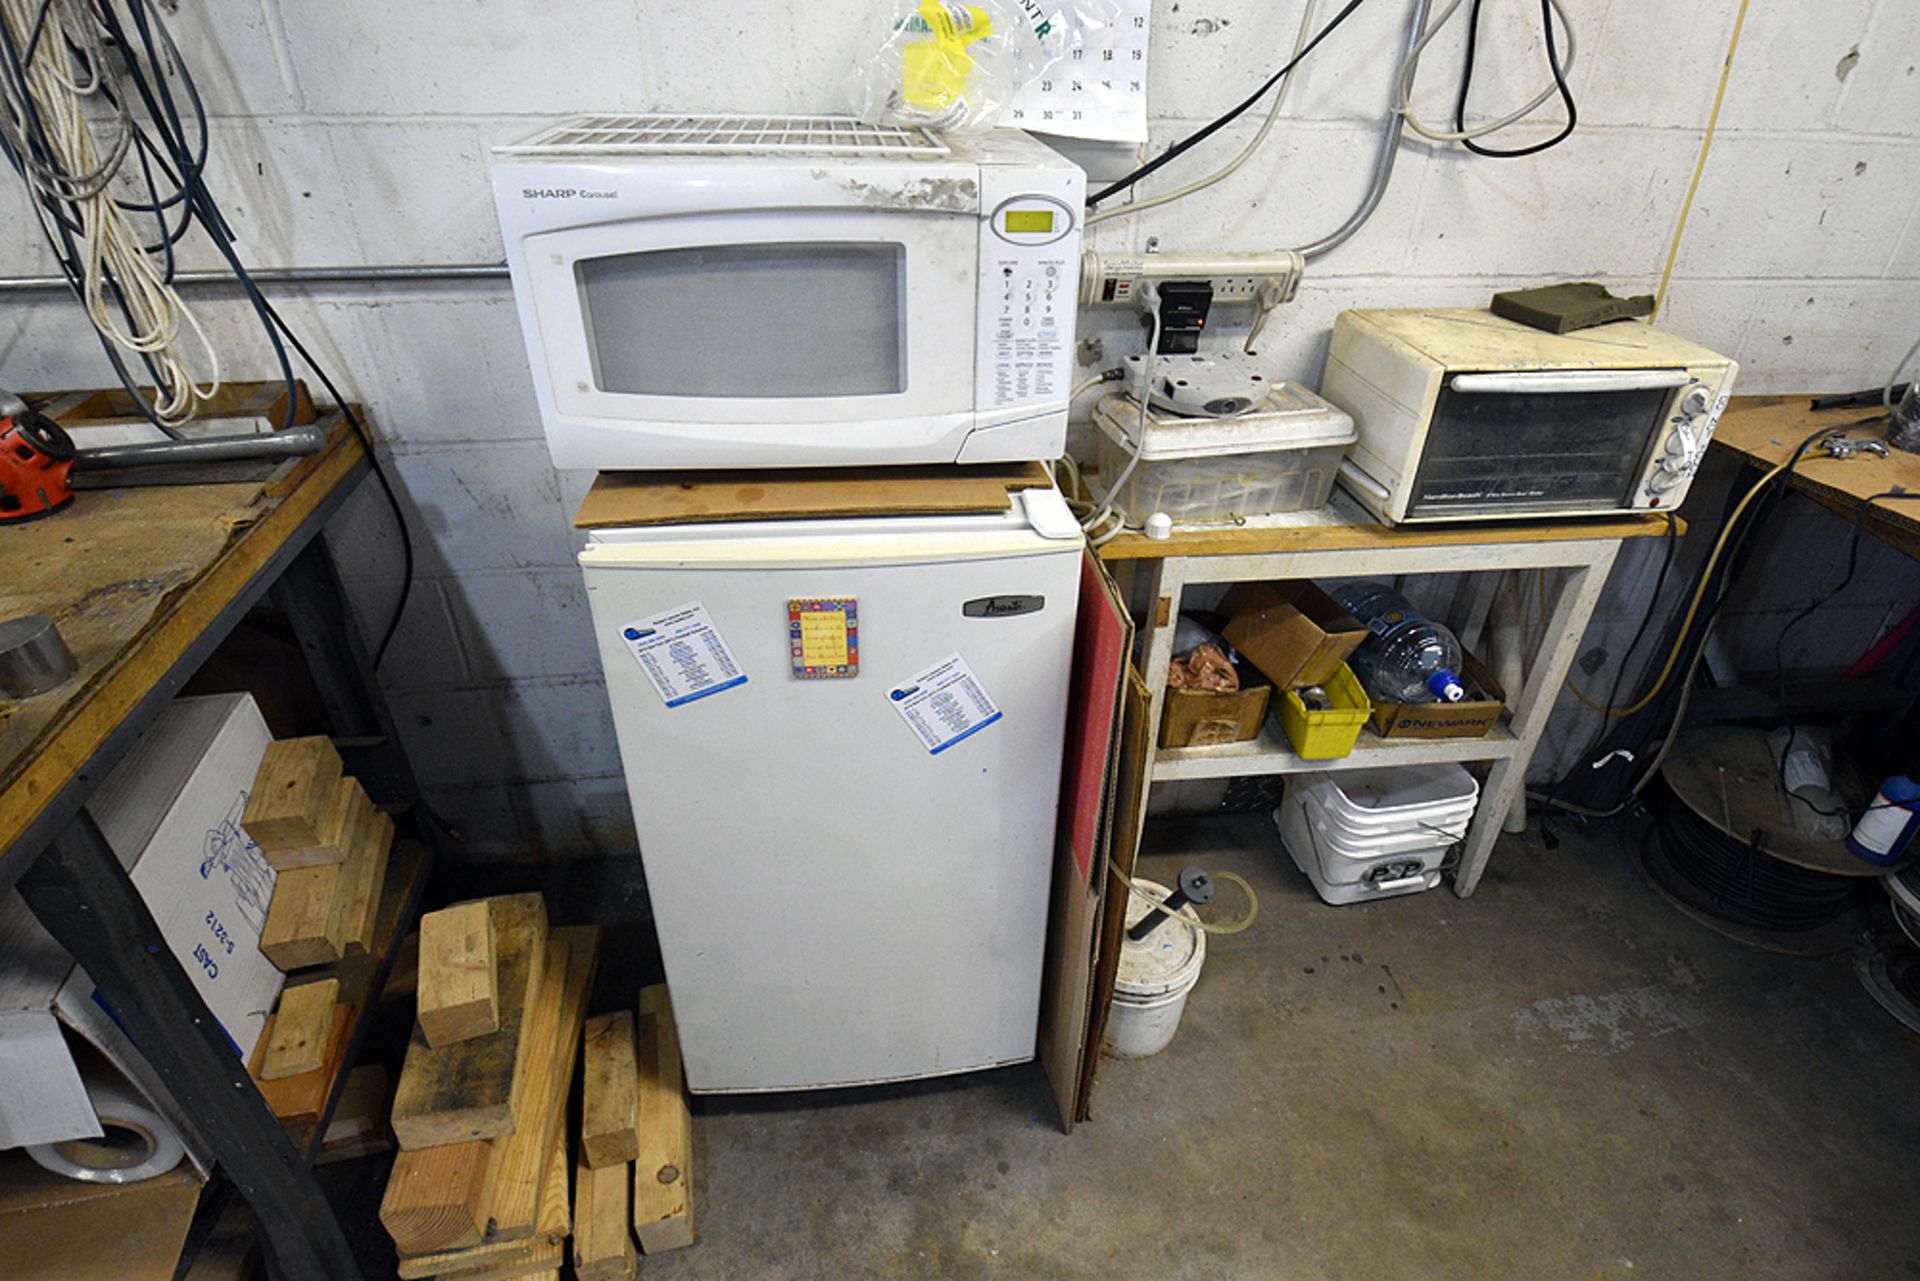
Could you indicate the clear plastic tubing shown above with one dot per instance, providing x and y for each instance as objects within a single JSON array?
[{"x": 1408, "y": 658}]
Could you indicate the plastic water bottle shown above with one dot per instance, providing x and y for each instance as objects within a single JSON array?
[
  {"x": 1409, "y": 658},
  {"x": 1889, "y": 823}
]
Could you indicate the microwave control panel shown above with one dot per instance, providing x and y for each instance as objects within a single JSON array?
[{"x": 1029, "y": 288}]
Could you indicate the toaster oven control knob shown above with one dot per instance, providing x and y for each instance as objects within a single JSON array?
[
  {"x": 1695, "y": 402},
  {"x": 1677, "y": 445},
  {"x": 1663, "y": 479}
]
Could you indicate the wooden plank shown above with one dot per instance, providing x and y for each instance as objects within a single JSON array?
[
  {"x": 556, "y": 1200},
  {"x": 302, "y": 928},
  {"x": 603, "y": 1247},
  {"x": 338, "y": 825},
  {"x": 357, "y": 897},
  {"x": 292, "y": 794},
  {"x": 556, "y": 1221},
  {"x": 459, "y": 989},
  {"x": 609, "y": 1086},
  {"x": 537, "y": 1259},
  {"x": 663, "y": 1172},
  {"x": 1338, "y": 528},
  {"x": 553, "y": 1050},
  {"x": 680, "y": 498},
  {"x": 250, "y": 399},
  {"x": 452, "y": 1093},
  {"x": 1767, "y": 429},
  {"x": 298, "y": 1100},
  {"x": 436, "y": 1198},
  {"x": 359, "y": 1125},
  {"x": 299, "y": 1040},
  {"x": 186, "y": 554}
]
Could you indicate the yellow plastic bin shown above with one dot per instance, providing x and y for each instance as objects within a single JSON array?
[{"x": 1323, "y": 735}]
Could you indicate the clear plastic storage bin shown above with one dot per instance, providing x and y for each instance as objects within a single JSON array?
[{"x": 1279, "y": 458}]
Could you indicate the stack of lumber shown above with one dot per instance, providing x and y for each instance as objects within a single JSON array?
[
  {"x": 635, "y": 1169},
  {"x": 328, "y": 847},
  {"x": 479, "y": 1190}
]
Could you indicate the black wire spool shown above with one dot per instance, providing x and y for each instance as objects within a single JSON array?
[{"x": 1736, "y": 881}]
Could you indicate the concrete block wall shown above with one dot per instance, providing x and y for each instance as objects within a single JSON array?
[{"x": 357, "y": 132}]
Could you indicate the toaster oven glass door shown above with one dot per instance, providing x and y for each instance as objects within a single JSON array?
[{"x": 1523, "y": 450}]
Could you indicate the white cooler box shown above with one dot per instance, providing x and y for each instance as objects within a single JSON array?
[{"x": 1375, "y": 833}]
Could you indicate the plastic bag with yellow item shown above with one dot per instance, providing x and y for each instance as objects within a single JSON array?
[{"x": 955, "y": 66}]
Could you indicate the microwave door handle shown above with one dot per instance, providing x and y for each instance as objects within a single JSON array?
[{"x": 1569, "y": 380}]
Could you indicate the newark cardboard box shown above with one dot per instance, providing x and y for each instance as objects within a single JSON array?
[{"x": 1472, "y": 717}]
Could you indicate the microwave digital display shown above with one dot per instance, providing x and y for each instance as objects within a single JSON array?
[{"x": 1038, "y": 221}]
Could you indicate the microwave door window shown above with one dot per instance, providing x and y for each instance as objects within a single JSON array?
[
  {"x": 798, "y": 321},
  {"x": 1534, "y": 451}
]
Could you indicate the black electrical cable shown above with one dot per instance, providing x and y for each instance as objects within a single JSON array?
[
  {"x": 1635, "y": 735},
  {"x": 1194, "y": 139},
  {"x": 1671, "y": 541},
  {"x": 1738, "y": 881},
  {"x": 1818, "y": 603},
  {"x": 1466, "y": 85},
  {"x": 179, "y": 151}
]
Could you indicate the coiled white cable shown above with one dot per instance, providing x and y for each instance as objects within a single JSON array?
[
  {"x": 71, "y": 97},
  {"x": 1403, "y": 100}
]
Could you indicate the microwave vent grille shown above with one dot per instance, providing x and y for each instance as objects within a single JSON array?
[{"x": 669, "y": 135}]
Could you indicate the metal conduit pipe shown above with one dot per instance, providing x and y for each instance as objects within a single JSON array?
[
  {"x": 375, "y": 274},
  {"x": 1389, "y": 144},
  {"x": 291, "y": 443},
  {"x": 1383, "y": 164}
]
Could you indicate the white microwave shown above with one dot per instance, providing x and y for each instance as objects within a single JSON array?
[
  {"x": 710, "y": 291},
  {"x": 1462, "y": 415}
]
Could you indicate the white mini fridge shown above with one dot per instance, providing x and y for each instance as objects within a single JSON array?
[{"x": 842, "y": 739}]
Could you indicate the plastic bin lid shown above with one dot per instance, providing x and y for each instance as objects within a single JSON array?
[
  {"x": 1387, "y": 788},
  {"x": 1292, "y": 418}
]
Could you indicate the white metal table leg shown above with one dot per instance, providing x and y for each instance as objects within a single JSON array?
[{"x": 1573, "y": 606}]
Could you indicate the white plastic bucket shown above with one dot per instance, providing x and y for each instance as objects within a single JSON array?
[{"x": 1155, "y": 977}]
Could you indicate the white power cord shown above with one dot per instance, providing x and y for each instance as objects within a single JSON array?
[
  {"x": 66, "y": 89},
  {"x": 1107, "y": 521},
  {"x": 1403, "y": 100},
  {"x": 1273, "y": 114}
]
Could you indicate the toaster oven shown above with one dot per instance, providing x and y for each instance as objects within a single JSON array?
[{"x": 1463, "y": 415}]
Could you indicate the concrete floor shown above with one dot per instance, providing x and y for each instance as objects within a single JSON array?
[{"x": 1561, "y": 1078}]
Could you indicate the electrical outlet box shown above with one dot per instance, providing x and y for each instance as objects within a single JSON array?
[{"x": 1115, "y": 279}]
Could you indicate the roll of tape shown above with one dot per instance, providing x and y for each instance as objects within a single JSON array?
[{"x": 137, "y": 1144}]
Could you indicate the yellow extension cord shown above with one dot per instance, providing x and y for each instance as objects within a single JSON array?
[
  {"x": 1699, "y": 168},
  {"x": 1699, "y": 593}
]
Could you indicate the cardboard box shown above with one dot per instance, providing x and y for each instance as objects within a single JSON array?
[
  {"x": 171, "y": 812},
  {"x": 54, "y": 1229},
  {"x": 1207, "y": 717},
  {"x": 1472, "y": 717},
  {"x": 1296, "y": 634}
]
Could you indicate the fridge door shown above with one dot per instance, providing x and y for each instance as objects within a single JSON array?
[{"x": 838, "y": 902}]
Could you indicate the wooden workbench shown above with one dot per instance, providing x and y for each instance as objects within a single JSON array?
[
  {"x": 1341, "y": 541},
  {"x": 1766, "y": 429},
  {"x": 144, "y": 584}
]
